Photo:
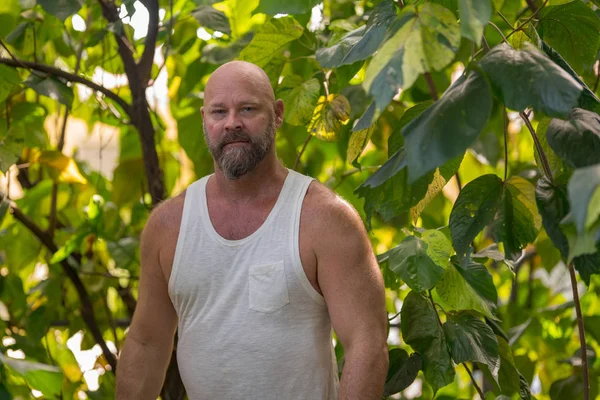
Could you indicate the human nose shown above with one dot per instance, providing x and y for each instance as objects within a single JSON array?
[{"x": 233, "y": 122}]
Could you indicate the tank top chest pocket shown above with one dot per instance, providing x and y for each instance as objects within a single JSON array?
[{"x": 268, "y": 289}]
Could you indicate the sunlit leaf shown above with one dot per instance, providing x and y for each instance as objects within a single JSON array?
[
  {"x": 45, "y": 378},
  {"x": 300, "y": 100},
  {"x": 422, "y": 331},
  {"x": 65, "y": 167},
  {"x": 357, "y": 143},
  {"x": 425, "y": 39},
  {"x": 212, "y": 18},
  {"x": 272, "y": 7},
  {"x": 270, "y": 39},
  {"x": 328, "y": 117},
  {"x": 9, "y": 79}
]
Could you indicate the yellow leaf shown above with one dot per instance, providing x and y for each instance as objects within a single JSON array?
[
  {"x": 330, "y": 114},
  {"x": 65, "y": 168},
  {"x": 357, "y": 143},
  {"x": 434, "y": 188}
]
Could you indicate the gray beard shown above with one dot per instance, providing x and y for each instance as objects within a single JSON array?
[{"x": 239, "y": 160}]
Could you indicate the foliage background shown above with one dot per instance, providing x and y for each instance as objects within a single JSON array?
[{"x": 453, "y": 215}]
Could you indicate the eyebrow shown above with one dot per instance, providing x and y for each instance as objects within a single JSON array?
[{"x": 243, "y": 103}]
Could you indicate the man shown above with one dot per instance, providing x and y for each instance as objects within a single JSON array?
[{"x": 255, "y": 264}]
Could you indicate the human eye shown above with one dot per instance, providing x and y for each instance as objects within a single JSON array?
[
  {"x": 248, "y": 108},
  {"x": 218, "y": 112}
]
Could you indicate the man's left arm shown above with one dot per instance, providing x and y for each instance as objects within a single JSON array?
[{"x": 351, "y": 282}]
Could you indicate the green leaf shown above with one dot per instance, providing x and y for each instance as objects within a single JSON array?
[
  {"x": 211, "y": 18},
  {"x": 51, "y": 87},
  {"x": 474, "y": 209},
  {"x": 528, "y": 78},
  {"x": 421, "y": 330},
  {"x": 572, "y": 387},
  {"x": 479, "y": 278},
  {"x": 9, "y": 79},
  {"x": 553, "y": 206},
  {"x": 425, "y": 39},
  {"x": 61, "y": 9},
  {"x": 474, "y": 16},
  {"x": 410, "y": 261},
  {"x": 573, "y": 29},
  {"x": 360, "y": 43},
  {"x": 587, "y": 265},
  {"x": 4, "y": 205},
  {"x": 357, "y": 143},
  {"x": 578, "y": 139},
  {"x": 581, "y": 188},
  {"x": 270, "y": 39},
  {"x": 470, "y": 339},
  {"x": 300, "y": 101},
  {"x": 402, "y": 372},
  {"x": 439, "y": 247},
  {"x": 588, "y": 99},
  {"x": 128, "y": 181},
  {"x": 42, "y": 377},
  {"x": 457, "y": 294},
  {"x": 518, "y": 221},
  {"x": 445, "y": 129},
  {"x": 508, "y": 376},
  {"x": 557, "y": 165},
  {"x": 396, "y": 140},
  {"x": 273, "y": 7},
  {"x": 11, "y": 145},
  {"x": 72, "y": 245}
]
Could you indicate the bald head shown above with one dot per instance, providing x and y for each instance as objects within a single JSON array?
[{"x": 239, "y": 74}]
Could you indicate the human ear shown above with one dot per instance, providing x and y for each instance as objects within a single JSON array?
[{"x": 279, "y": 108}]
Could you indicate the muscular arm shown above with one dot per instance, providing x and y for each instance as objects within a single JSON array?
[
  {"x": 351, "y": 282},
  {"x": 149, "y": 343}
]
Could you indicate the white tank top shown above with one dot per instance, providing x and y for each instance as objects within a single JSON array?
[{"x": 251, "y": 326}]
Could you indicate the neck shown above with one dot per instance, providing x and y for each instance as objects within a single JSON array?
[{"x": 269, "y": 173}]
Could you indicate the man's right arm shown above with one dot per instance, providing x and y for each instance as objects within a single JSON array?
[{"x": 147, "y": 349}]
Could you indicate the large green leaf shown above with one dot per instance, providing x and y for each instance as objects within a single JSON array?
[
  {"x": 471, "y": 339},
  {"x": 45, "y": 378},
  {"x": 518, "y": 221},
  {"x": 273, "y": 7},
  {"x": 474, "y": 16},
  {"x": 588, "y": 99},
  {"x": 61, "y": 9},
  {"x": 51, "y": 87},
  {"x": 578, "y": 139},
  {"x": 421, "y": 330},
  {"x": 396, "y": 140},
  {"x": 445, "y": 129},
  {"x": 360, "y": 43},
  {"x": 402, "y": 372},
  {"x": 528, "y": 78},
  {"x": 508, "y": 376},
  {"x": 410, "y": 261},
  {"x": 211, "y": 18},
  {"x": 479, "y": 278},
  {"x": 457, "y": 294},
  {"x": 474, "y": 209},
  {"x": 270, "y": 39},
  {"x": 553, "y": 206},
  {"x": 426, "y": 39},
  {"x": 300, "y": 99},
  {"x": 439, "y": 247},
  {"x": 581, "y": 188},
  {"x": 573, "y": 29},
  {"x": 588, "y": 265}
]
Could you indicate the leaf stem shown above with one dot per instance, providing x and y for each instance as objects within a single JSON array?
[
  {"x": 499, "y": 31},
  {"x": 518, "y": 28},
  {"x": 302, "y": 151},
  {"x": 434, "y": 309},
  {"x": 505, "y": 19},
  {"x": 432, "y": 88},
  {"x": 538, "y": 146},
  {"x": 474, "y": 381},
  {"x": 505, "y": 118},
  {"x": 584, "y": 359}
]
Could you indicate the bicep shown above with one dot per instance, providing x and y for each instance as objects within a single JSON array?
[{"x": 351, "y": 281}]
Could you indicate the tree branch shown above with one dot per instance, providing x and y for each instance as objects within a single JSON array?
[
  {"x": 584, "y": 359},
  {"x": 505, "y": 120},
  {"x": 302, "y": 151},
  {"x": 87, "y": 310},
  {"x": 69, "y": 77},
  {"x": 474, "y": 381},
  {"x": 532, "y": 5},
  {"x": 518, "y": 28},
  {"x": 145, "y": 63},
  {"x": 432, "y": 88}
]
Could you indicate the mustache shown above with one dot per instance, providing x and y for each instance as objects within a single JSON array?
[{"x": 234, "y": 136}]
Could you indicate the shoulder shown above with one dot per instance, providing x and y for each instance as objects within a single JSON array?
[
  {"x": 163, "y": 220},
  {"x": 324, "y": 210}
]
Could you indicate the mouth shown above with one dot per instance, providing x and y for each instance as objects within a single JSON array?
[{"x": 237, "y": 142}]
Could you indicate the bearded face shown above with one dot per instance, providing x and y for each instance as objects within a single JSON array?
[{"x": 238, "y": 159}]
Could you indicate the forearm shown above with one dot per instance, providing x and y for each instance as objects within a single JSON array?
[
  {"x": 365, "y": 371},
  {"x": 141, "y": 370}
]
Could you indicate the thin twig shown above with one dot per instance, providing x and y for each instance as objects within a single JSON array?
[
  {"x": 499, "y": 31},
  {"x": 505, "y": 19},
  {"x": 538, "y": 146},
  {"x": 302, "y": 151},
  {"x": 473, "y": 380},
  {"x": 505, "y": 119},
  {"x": 518, "y": 28},
  {"x": 584, "y": 359},
  {"x": 432, "y": 88}
]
